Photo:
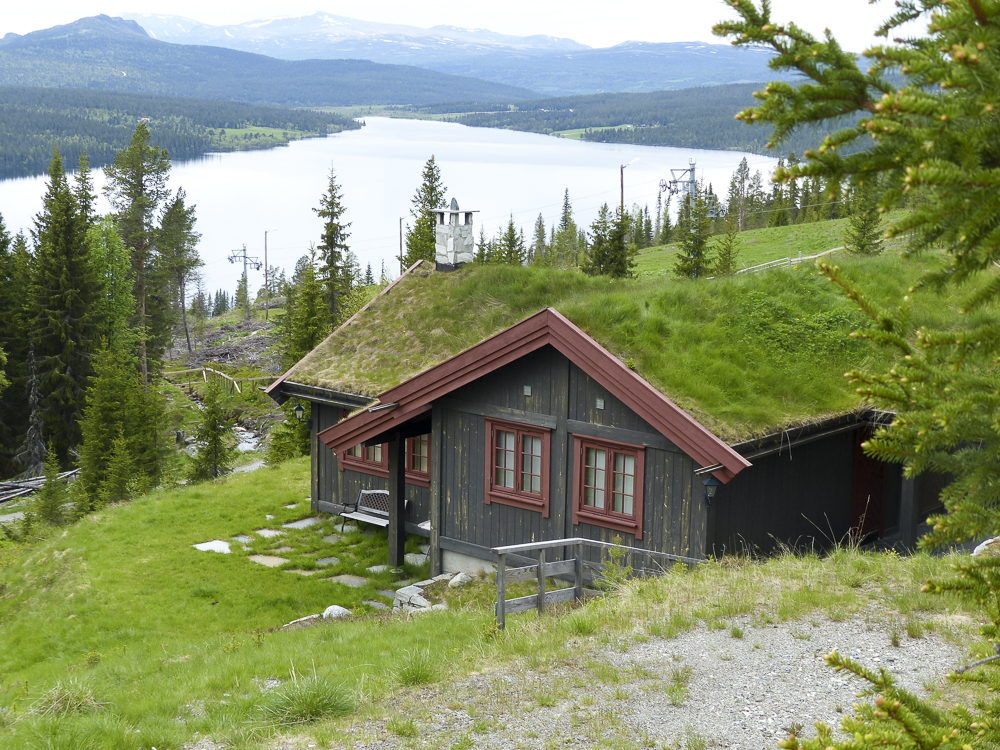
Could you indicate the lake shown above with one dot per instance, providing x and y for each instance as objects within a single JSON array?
[{"x": 241, "y": 195}]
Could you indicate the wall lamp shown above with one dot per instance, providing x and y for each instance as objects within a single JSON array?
[
  {"x": 300, "y": 412},
  {"x": 711, "y": 485}
]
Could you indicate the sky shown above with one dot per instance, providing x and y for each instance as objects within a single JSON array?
[{"x": 598, "y": 23}]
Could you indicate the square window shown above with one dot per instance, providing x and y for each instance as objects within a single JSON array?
[
  {"x": 609, "y": 480},
  {"x": 517, "y": 470}
]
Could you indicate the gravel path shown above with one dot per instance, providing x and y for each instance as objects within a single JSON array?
[{"x": 702, "y": 689}]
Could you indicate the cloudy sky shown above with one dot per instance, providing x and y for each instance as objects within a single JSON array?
[{"x": 599, "y": 23}]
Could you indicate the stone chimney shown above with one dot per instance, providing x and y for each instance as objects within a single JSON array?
[{"x": 454, "y": 240}]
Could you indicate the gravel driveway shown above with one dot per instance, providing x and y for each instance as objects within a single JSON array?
[{"x": 705, "y": 688}]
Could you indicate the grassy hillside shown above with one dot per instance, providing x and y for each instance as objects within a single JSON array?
[
  {"x": 758, "y": 246},
  {"x": 117, "y": 635},
  {"x": 111, "y": 54}
]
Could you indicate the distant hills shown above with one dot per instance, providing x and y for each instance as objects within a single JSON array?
[
  {"x": 326, "y": 36},
  {"x": 101, "y": 52},
  {"x": 550, "y": 65}
]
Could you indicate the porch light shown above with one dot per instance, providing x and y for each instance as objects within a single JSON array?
[
  {"x": 711, "y": 485},
  {"x": 300, "y": 412}
]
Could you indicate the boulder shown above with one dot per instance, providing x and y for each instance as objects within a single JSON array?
[
  {"x": 335, "y": 612},
  {"x": 459, "y": 580},
  {"x": 989, "y": 548}
]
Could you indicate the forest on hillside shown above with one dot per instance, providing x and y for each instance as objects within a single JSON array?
[
  {"x": 33, "y": 121},
  {"x": 700, "y": 117}
]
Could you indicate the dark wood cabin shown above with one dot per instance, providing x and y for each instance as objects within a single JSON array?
[{"x": 538, "y": 433}]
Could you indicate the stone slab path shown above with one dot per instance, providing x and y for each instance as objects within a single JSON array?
[
  {"x": 268, "y": 561},
  {"x": 216, "y": 545}
]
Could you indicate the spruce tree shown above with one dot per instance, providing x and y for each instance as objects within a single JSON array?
[
  {"x": 565, "y": 245},
  {"x": 334, "y": 268},
  {"x": 609, "y": 251},
  {"x": 32, "y": 452},
  {"x": 863, "y": 235},
  {"x": 739, "y": 187},
  {"x": 15, "y": 274},
  {"x": 83, "y": 190},
  {"x": 177, "y": 242},
  {"x": 137, "y": 191},
  {"x": 242, "y": 298},
  {"x": 420, "y": 239},
  {"x": 123, "y": 479},
  {"x": 115, "y": 304},
  {"x": 369, "y": 279},
  {"x": 62, "y": 309},
  {"x": 512, "y": 251},
  {"x": 306, "y": 322},
  {"x": 693, "y": 230},
  {"x": 215, "y": 439},
  {"x": 922, "y": 120},
  {"x": 727, "y": 251},
  {"x": 109, "y": 402},
  {"x": 52, "y": 497},
  {"x": 539, "y": 249}
]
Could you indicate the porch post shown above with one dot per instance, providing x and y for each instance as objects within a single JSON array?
[{"x": 397, "y": 499}]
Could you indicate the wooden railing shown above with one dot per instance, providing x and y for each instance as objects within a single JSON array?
[
  {"x": 786, "y": 262},
  {"x": 576, "y": 567}
]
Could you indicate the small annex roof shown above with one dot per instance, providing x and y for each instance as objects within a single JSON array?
[
  {"x": 745, "y": 356},
  {"x": 413, "y": 398}
]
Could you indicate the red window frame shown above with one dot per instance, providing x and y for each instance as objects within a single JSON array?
[
  {"x": 536, "y": 470},
  {"x": 368, "y": 464},
  {"x": 418, "y": 464},
  {"x": 630, "y": 523}
]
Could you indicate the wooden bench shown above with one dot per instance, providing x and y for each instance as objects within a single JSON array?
[{"x": 372, "y": 506}]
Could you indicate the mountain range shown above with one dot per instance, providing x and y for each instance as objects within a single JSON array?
[
  {"x": 549, "y": 65},
  {"x": 101, "y": 52}
]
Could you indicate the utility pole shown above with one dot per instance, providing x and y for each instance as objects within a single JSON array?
[
  {"x": 623, "y": 181},
  {"x": 241, "y": 255}
]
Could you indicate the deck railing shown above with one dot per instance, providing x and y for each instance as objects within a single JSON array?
[{"x": 575, "y": 566}]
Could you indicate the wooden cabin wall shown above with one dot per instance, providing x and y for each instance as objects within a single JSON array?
[
  {"x": 332, "y": 486},
  {"x": 800, "y": 497},
  {"x": 563, "y": 399}
]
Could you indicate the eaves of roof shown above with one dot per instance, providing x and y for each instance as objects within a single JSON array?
[{"x": 548, "y": 327}]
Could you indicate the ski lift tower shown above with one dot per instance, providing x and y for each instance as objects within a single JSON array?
[
  {"x": 678, "y": 183},
  {"x": 683, "y": 182}
]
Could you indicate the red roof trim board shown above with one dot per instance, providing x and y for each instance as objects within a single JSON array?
[{"x": 548, "y": 327}]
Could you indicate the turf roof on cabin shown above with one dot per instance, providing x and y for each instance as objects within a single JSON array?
[{"x": 744, "y": 355}]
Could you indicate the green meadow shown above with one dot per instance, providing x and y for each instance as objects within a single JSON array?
[{"x": 118, "y": 635}]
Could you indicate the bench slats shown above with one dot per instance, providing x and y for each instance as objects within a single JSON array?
[{"x": 358, "y": 516}]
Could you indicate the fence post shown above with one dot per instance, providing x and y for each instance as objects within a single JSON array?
[
  {"x": 578, "y": 572},
  {"x": 541, "y": 582},
  {"x": 501, "y": 591}
]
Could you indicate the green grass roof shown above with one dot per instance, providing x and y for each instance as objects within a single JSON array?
[{"x": 744, "y": 355}]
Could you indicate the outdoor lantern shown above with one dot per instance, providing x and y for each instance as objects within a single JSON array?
[
  {"x": 711, "y": 485},
  {"x": 300, "y": 411}
]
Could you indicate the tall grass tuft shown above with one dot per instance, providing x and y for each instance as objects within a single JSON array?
[
  {"x": 64, "y": 698},
  {"x": 307, "y": 700},
  {"x": 418, "y": 669}
]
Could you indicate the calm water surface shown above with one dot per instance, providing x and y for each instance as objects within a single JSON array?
[{"x": 239, "y": 196}]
